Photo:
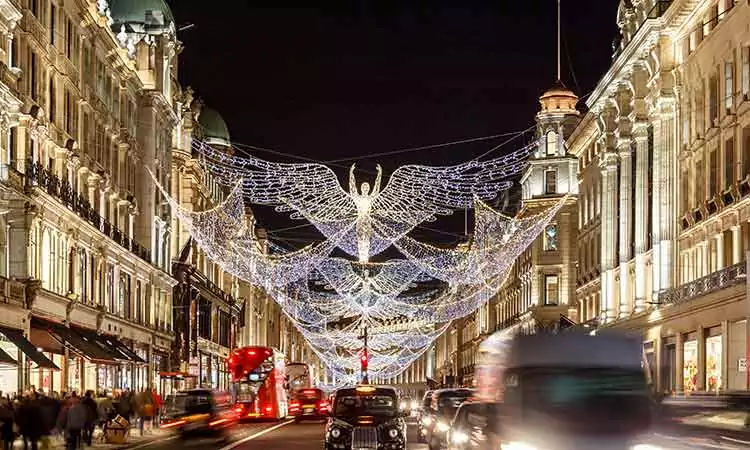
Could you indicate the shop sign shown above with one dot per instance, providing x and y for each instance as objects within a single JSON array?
[{"x": 742, "y": 365}]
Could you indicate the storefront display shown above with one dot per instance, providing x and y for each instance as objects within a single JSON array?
[
  {"x": 713, "y": 363},
  {"x": 690, "y": 366}
]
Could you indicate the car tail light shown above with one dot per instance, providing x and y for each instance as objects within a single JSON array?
[
  {"x": 269, "y": 409},
  {"x": 176, "y": 423}
]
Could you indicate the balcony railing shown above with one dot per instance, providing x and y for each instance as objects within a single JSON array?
[
  {"x": 214, "y": 289},
  {"x": 12, "y": 291},
  {"x": 39, "y": 176},
  {"x": 726, "y": 277}
]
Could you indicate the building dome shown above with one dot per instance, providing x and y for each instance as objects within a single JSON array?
[
  {"x": 147, "y": 12},
  {"x": 559, "y": 99},
  {"x": 213, "y": 127}
]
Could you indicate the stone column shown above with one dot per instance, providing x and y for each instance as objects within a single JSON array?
[
  {"x": 706, "y": 258},
  {"x": 668, "y": 200},
  {"x": 719, "y": 242},
  {"x": 608, "y": 165},
  {"x": 625, "y": 222},
  {"x": 657, "y": 188}
]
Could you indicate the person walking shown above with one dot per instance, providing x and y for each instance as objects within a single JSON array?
[
  {"x": 92, "y": 416},
  {"x": 7, "y": 417},
  {"x": 73, "y": 421}
]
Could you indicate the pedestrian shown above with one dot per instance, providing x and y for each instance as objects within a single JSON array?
[
  {"x": 27, "y": 416},
  {"x": 92, "y": 417},
  {"x": 7, "y": 417},
  {"x": 73, "y": 421}
]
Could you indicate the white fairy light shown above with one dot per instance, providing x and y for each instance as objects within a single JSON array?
[{"x": 405, "y": 304}]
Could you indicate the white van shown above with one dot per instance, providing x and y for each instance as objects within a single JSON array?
[{"x": 566, "y": 391}]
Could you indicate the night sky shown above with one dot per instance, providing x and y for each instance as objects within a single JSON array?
[{"x": 348, "y": 79}]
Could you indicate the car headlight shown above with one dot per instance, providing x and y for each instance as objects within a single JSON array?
[
  {"x": 516, "y": 446},
  {"x": 402, "y": 405},
  {"x": 459, "y": 437},
  {"x": 442, "y": 427},
  {"x": 414, "y": 404},
  {"x": 335, "y": 433},
  {"x": 426, "y": 420},
  {"x": 393, "y": 433}
]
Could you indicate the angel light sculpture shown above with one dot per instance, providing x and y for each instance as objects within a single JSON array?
[
  {"x": 363, "y": 201},
  {"x": 414, "y": 194}
]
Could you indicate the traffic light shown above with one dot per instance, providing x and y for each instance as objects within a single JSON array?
[{"x": 363, "y": 359}]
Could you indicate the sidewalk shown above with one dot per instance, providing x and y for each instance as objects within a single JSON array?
[{"x": 134, "y": 439}]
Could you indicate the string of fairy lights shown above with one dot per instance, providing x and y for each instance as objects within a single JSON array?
[{"x": 331, "y": 300}]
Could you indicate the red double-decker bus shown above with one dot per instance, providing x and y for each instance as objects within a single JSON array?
[{"x": 258, "y": 382}]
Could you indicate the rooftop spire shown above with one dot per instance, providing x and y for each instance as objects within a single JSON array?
[{"x": 559, "y": 66}]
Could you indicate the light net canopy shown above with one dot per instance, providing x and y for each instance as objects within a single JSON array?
[{"x": 403, "y": 303}]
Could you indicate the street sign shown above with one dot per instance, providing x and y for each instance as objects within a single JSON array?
[{"x": 742, "y": 365}]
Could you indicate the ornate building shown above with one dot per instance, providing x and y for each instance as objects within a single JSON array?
[
  {"x": 663, "y": 196},
  {"x": 89, "y": 100},
  {"x": 86, "y": 274}
]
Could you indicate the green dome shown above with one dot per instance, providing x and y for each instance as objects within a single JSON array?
[
  {"x": 134, "y": 11},
  {"x": 213, "y": 127}
]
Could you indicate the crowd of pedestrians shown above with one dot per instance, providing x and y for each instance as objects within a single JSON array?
[{"x": 36, "y": 418}]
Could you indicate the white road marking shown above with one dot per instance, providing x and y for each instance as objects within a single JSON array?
[
  {"x": 736, "y": 441},
  {"x": 146, "y": 444},
  {"x": 253, "y": 436}
]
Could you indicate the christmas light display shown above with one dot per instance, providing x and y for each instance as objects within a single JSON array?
[
  {"x": 414, "y": 194},
  {"x": 402, "y": 304}
]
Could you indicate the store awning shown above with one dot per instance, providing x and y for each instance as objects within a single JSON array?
[
  {"x": 114, "y": 346},
  {"x": 6, "y": 359},
  {"x": 28, "y": 349},
  {"x": 76, "y": 342}
]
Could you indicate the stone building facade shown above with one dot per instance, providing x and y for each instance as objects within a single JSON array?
[
  {"x": 663, "y": 163},
  {"x": 89, "y": 100}
]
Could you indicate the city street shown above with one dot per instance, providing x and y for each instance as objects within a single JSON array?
[
  {"x": 288, "y": 435},
  {"x": 285, "y": 435}
]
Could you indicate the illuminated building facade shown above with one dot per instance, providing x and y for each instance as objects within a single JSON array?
[
  {"x": 663, "y": 190},
  {"x": 84, "y": 265}
]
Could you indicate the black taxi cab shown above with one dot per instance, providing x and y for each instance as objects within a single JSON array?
[
  {"x": 366, "y": 417},
  {"x": 200, "y": 413}
]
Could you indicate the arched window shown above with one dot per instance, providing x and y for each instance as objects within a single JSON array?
[
  {"x": 551, "y": 143},
  {"x": 82, "y": 275}
]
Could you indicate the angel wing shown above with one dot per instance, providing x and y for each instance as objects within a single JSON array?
[
  {"x": 415, "y": 194},
  {"x": 309, "y": 190}
]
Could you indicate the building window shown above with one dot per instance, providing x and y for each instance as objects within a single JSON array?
[
  {"x": 550, "y": 238},
  {"x": 685, "y": 191},
  {"x": 110, "y": 289},
  {"x": 728, "y": 162},
  {"x": 551, "y": 290},
  {"x": 83, "y": 274},
  {"x": 713, "y": 169},
  {"x": 650, "y": 185},
  {"x": 52, "y": 99},
  {"x": 746, "y": 151},
  {"x": 728, "y": 86},
  {"x": 53, "y": 24},
  {"x": 700, "y": 183},
  {"x": 551, "y": 143},
  {"x": 138, "y": 302},
  {"x": 713, "y": 101},
  {"x": 33, "y": 72},
  {"x": 550, "y": 181},
  {"x": 746, "y": 73}
]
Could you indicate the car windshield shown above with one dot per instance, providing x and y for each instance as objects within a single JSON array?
[
  {"x": 190, "y": 403},
  {"x": 375, "y": 405},
  {"x": 449, "y": 402},
  {"x": 598, "y": 401}
]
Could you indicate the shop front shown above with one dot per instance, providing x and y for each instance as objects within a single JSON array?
[
  {"x": 90, "y": 361},
  {"x": 22, "y": 364}
]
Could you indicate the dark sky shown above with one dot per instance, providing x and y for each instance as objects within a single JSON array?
[{"x": 353, "y": 78}]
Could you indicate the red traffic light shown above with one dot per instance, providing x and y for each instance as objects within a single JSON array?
[{"x": 363, "y": 358}]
